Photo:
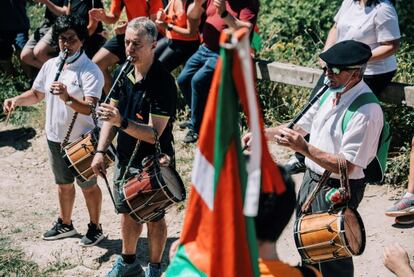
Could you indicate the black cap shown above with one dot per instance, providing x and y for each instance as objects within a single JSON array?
[{"x": 347, "y": 53}]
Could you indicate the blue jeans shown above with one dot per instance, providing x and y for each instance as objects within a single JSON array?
[{"x": 194, "y": 82}]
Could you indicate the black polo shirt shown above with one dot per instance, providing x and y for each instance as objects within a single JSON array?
[{"x": 160, "y": 99}]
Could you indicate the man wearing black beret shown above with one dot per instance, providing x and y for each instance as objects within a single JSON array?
[{"x": 345, "y": 65}]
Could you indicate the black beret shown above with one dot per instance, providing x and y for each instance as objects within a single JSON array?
[{"x": 347, "y": 53}]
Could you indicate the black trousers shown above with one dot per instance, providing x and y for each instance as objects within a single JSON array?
[
  {"x": 342, "y": 267},
  {"x": 173, "y": 53}
]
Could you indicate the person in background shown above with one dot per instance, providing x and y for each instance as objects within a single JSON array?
[
  {"x": 405, "y": 206},
  {"x": 79, "y": 87},
  {"x": 397, "y": 261},
  {"x": 195, "y": 78},
  {"x": 40, "y": 47},
  {"x": 13, "y": 20},
  {"x": 375, "y": 23},
  {"x": 181, "y": 32},
  {"x": 113, "y": 51}
]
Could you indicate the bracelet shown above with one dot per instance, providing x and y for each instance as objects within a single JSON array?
[{"x": 100, "y": 151}]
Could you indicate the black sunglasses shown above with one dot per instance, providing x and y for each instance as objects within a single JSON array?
[{"x": 337, "y": 70}]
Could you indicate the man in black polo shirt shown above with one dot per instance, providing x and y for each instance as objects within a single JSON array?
[{"x": 146, "y": 101}]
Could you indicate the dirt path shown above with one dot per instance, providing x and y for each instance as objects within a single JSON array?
[{"x": 28, "y": 206}]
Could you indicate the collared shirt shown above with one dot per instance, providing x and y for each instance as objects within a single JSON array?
[
  {"x": 155, "y": 95},
  {"x": 82, "y": 78},
  {"x": 358, "y": 143}
]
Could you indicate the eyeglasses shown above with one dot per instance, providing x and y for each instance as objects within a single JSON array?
[
  {"x": 337, "y": 70},
  {"x": 68, "y": 40}
]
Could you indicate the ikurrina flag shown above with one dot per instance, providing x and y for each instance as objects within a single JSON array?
[{"x": 218, "y": 237}]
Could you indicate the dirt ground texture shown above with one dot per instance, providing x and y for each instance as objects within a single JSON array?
[{"x": 28, "y": 207}]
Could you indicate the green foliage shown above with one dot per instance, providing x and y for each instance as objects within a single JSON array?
[
  {"x": 405, "y": 18},
  {"x": 287, "y": 28}
]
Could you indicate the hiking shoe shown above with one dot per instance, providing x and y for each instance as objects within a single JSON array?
[
  {"x": 93, "y": 236},
  {"x": 405, "y": 206},
  {"x": 153, "y": 271},
  {"x": 184, "y": 125},
  {"x": 190, "y": 137},
  {"x": 294, "y": 166},
  {"x": 405, "y": 219},
  {"x": 122, "y": 269},
  {"x": 59, "y": 231}
]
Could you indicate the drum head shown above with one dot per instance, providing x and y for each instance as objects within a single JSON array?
[
  {"x": 354, "y": 231},
  {"x": 173, "y": 182}
]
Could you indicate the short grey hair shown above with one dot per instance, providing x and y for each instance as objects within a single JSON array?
[
  {"x": 144, "y": 26},
  {"x": 363, "y": 68}
]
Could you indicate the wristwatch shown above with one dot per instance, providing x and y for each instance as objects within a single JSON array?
[
  {"x": 170, "y": 26},
  {"x": 69, "y": 101},
  {"x": 224, "y": 14},
  {"x": 124, "y": 123}
]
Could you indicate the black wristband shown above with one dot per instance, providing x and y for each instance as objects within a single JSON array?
[
  {"x": 124, "y": 123},
  {"x": 100, "y": 151},
  {"x": 224, "y": 14}
]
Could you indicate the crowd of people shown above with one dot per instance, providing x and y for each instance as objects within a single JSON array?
[{"x": 69, "y": 59}]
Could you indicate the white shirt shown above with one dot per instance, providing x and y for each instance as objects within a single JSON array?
[
  {"x": 370, "y": 25},
  {"x": 82, "y": 78},
  {"x": 358, "y": 143}
]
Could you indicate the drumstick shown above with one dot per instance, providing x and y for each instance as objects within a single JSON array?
[
  {"x": 8, "y": 116},
  {"x": 109, "y": 188},
  {"x": 168, "y": 5}
]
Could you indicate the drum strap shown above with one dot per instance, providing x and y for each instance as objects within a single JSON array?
[
  {"x": 316, "y": 189},
  {"x": 345, "y": 190},
  {"x": 134, "y": 153},
  {"x": 72, "y": 123},
  {"x": 343, "y": 173}
]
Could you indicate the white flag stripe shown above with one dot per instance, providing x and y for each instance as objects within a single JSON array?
[
  {"x": 202, "y": 178},
  {"x": 254, "y": 164}
]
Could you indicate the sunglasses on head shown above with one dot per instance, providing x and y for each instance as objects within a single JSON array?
[{"x": 337, "y": 69}]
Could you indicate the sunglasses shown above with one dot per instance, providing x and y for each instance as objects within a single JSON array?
[{"x": 337, "y": 70}]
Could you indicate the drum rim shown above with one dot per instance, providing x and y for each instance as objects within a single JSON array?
[
  {"x": 298, "y": 240},
  {"x": 164, "y": 184},
  {"x": 343, "y": 236}
]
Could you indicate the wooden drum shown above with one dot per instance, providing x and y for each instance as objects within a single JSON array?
[
  {"x": 329, "y": 236},
  {"x": 79, "y": 155}
]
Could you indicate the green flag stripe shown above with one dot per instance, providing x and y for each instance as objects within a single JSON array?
[
  {"x": 181, "y": 265},
  {"x": 227, "y": 119}
]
